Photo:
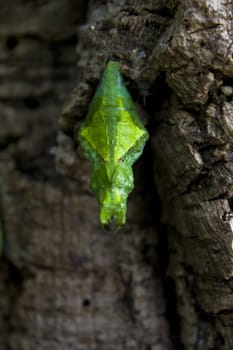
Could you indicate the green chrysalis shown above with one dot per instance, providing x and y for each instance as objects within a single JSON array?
[{"x": 112, "y": 137}]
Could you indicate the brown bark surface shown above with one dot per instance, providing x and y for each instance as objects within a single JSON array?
[
  {"x": 193, "y": 171},
  {"x": 65, "y": 284}
]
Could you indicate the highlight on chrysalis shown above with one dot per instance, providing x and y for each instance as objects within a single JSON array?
[{"x": 112, "y": 137}]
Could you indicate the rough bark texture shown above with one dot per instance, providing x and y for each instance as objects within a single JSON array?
[
  {"x": 194, "y": 172},
  {"x": 64, "y": 283}
]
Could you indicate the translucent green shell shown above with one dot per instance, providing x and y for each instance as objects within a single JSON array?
[{"x": 112, "y": 137}]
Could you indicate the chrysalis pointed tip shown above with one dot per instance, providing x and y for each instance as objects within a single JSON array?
[{"x": 112, "y": 227}]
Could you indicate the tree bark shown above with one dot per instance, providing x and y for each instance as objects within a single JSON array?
[{"x": 165, "y": 281}]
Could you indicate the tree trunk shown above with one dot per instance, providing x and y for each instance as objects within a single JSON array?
[{"x": 165, "y": 280}]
